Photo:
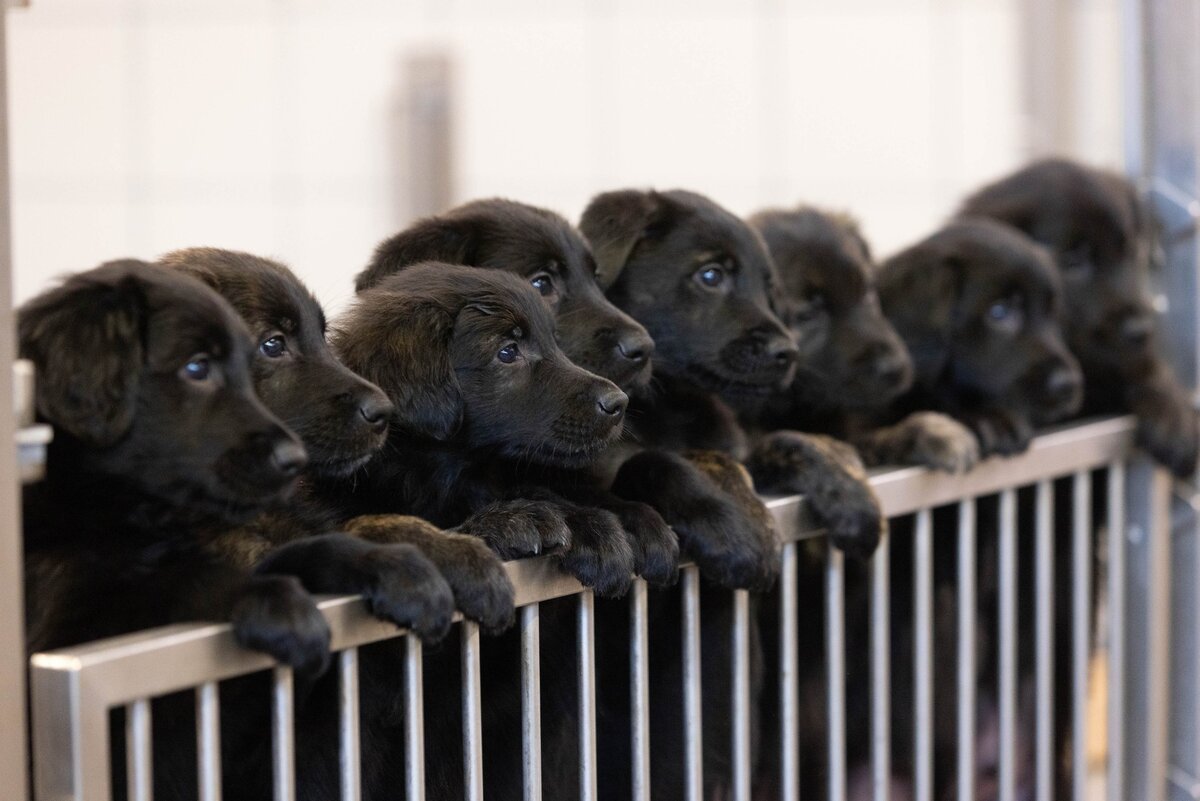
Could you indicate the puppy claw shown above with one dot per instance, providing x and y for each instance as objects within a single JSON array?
[
  {"x": 482, "y": 589},
  {"x": 519, "y": 528},
  {"x": 276, "y": 616}
]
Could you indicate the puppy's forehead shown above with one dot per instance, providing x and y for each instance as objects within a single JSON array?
[
  {"x": 1004, "y": 259},
  {"x": 186, "y": 320}
]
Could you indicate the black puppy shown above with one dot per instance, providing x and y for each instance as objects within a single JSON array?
[
  {"x": 160, "y": 444},
  {"x": 852, "y": 362},
  {"x": 546, "y": 251},
  {"x": 469, "y": 359},
  {"x": 701, "y": 282},
  {"x": 977, "y": 305},
  {"x": 1101, "y": 236},
  {"x": 342, "y": 420},
  {"x": 159, "y": 436}
]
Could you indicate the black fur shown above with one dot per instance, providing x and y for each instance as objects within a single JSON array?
[
  {"x": 977, "y": 304},
  {"x": 159, "y": 443},
  {"x": 1101, "y": 236},
  {"x": 432, "y": 338},
  {"x": 852, "y": 362},
  {"x": 543, "y": 248}
]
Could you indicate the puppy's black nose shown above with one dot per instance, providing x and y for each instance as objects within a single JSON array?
[
  {"x": 635, "y": 346},
  {"x": 781, "y": 350},
  {"x": 375, "y": 409},
  {"x": 1136, "y": 330},
  {"x": 288, "y": 457},
  {"x": 612, "y": 403},
  {"x": 891, "y": 369},
  {"x": 1062, "y": 385}
]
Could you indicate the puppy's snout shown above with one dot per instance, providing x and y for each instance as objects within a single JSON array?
[
  {"x": 892, "y": 369},
  {"x": 288, "y": 457},
  {"x": 635, "y": 346},
  {"x": 781, "y": 351},
  {"x": 1063, "y": 386},
  {"x": 375, "y": 408},
  {"x": 1136, "y": 329},
  {"x": 611, "y": 403}
]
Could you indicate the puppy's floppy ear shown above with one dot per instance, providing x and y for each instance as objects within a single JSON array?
[
  {"x": 613, "y": 224},
  {"x": 402, "y": 345},
  {"x": 86, "y": 339},
  {"x": 453, "y": 240},
  {"x": 918, "y": 290}
]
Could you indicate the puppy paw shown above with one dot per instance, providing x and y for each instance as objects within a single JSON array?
[
  {"x": 926, "y": 439},
  {"x": 406, "y": 588},
  {"x": 519, "y": 528},
  {"x": 655, "y": 545},
  {"x": 1000, "y": 432},
  {"x": 729, "y": 534},
  {"x": 275, "y": 615},
  {"x": 831, "y": 477},
  {"x": 482, "y": 590},
  {"x": 1167, "y": 428},
  {"x": 600, "y": 554}
]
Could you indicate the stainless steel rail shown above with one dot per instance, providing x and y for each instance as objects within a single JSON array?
[{"x": 73, "y": 689}]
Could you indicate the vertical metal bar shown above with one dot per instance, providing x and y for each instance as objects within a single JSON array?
[
  {"x": 137, "y": 750},
  {"x": 789, "y": 668},
  {"x": 966, "y": 650},
  {"x": 1008, "y": 643},
  {"x": 881, "y": 682},
  {"x": 1116, "y": 631},
  {"x": 351, "y": 772},
  {"x": 70, "y": 733},
  {"x": 472, "y": 690},
  {"x": 741, "y": 695},
  {"x": 585, "y": 640},
  {"x": 284, "y": 761},
  {"x": 1044, "y": 640},
  {"x": 208, "y": 741},
  {"x": 639, "y": 682},
  {"x": 835, "y": 665},
  {"x": 923, "y": 657},
  {"x": 1081, "y": 621},
  {"x": 531, "y": 699},
  {"x": 693, "y": 743},
  {"x": 414, "y": 702},
  {"x": 13, "y": 762}
]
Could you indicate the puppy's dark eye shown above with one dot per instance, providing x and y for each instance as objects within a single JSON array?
[
  {"x": 543, "y": 283},
  {"x": 1077, "y": 258},
  {"x": 273, "y": 347},
  {"x": 508, "y": 354},
  {"x": 1007, "y": 314},
  {"x": 711, "y": 275},
  {"x": 198, "y": 368}
]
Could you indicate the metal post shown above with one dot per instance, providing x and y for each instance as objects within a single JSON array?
[{"x": 13, "y": 761}]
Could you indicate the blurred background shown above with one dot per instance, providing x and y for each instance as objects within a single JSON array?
[{"x": 308, "y": 130}]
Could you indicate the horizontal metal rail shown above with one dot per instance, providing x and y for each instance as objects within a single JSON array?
[{"x": 73, "y": 688}]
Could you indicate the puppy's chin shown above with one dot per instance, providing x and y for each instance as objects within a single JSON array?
[
  {"x": 567, "y": 444},
  {"x": 338, "y": 461},
  {"x": 738, "y": 385}
]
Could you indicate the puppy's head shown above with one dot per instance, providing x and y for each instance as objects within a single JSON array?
[
  {"x": 341, "y": 417},
  {"x": 700, "y": 280},
  {"x": 469, "y": 356},
  {"x": 1100, "y": 234},
  {"x": 543, "y": 248},
  {"x": 850, "y": 355},
  {"x": 147, "y": 372},
  {"x": 977, "y": 304}
]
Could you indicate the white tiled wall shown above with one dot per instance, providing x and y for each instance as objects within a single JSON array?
[{"x": 140, "y": 126}]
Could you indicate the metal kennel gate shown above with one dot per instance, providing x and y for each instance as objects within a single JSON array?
[{"x": 74, "y": 689}]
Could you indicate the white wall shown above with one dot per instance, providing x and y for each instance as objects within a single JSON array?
[{"x": 139, "y": 126}]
